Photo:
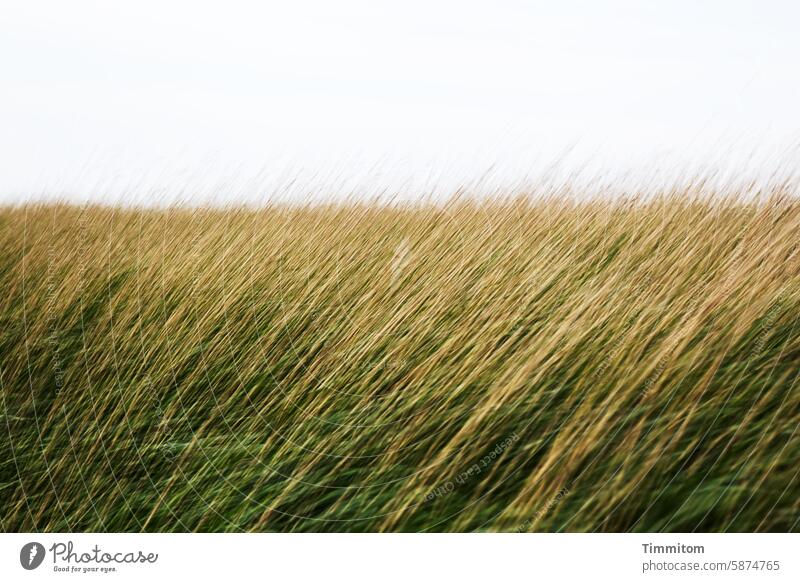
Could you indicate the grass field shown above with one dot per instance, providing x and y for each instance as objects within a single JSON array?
[{"x": 617, "y": 365}]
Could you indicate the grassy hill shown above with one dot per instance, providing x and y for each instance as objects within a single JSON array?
[{"x": 626, "y": 365}]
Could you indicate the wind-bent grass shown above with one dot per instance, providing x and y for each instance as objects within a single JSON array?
[{"x": 510, "y": 365}]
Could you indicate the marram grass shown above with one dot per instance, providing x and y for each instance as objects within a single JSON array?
[{"x": 622, "y": 365}]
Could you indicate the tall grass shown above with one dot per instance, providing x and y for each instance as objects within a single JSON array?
[{"x": 623, "y": 365}]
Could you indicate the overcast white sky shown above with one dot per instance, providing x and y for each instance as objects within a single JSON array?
[{"x": 103, "y": 98}]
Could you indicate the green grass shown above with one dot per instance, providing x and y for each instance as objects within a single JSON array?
[{"x": 623, "y": 365}]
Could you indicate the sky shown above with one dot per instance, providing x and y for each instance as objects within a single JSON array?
[{"x": 151, "y": 100}]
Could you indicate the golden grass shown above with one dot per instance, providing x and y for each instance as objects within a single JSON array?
[{"x": 508, "y": 365}]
